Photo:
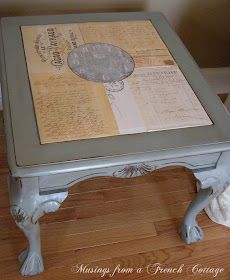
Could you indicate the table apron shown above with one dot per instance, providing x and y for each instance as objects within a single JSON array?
[{"x": 60, "y": 182}]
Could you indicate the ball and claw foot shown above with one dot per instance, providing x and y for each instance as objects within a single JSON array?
[
  {"x": 191, "y": 233},
  {"x": 31, "y": 263}
]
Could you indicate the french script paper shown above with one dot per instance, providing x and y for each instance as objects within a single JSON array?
[{"x": 156, "y": 96}]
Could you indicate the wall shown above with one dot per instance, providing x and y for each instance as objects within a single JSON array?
[{"x": 203, "y": 25}]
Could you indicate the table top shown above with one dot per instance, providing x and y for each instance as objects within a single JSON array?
[
  {"x": 100, "y": 79},
  {"x": 26, "y": 153}
]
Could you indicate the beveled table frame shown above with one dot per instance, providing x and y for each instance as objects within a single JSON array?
[{"x": 42, "y": 174}]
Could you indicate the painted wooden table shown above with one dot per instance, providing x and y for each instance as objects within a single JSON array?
[{"x": 42, "y": 173}]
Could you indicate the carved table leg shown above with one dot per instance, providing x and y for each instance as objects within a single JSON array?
[
  {"x": 212, "y": 183},
  {"x": 27, "y": 206}
]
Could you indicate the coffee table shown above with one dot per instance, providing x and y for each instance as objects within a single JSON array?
[{"x": 42, "y": 173}]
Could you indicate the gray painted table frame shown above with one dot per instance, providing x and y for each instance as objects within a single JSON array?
[{"x": 41, "y": 174}]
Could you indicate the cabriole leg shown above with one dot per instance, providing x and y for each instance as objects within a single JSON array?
[
  {"x": 27, "y": 206},
  {"x": 212, "y": 184},
  {"x": 190, "y": 231}
]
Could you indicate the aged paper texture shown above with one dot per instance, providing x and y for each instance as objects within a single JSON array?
[
  {"x": 67, "y": 107},
  {"x": 165, "y": 99},
  {"x": 155, "y": 96},
  {"x": 138, "y": 38},
  {"x": 76, "y": 114}
]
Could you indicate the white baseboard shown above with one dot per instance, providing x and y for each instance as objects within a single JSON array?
[{"x": 218, "y": 78}]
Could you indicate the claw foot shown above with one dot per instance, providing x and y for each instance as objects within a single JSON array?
[
  {"x": 191, "y": 234},
  {"x": 32, "y": 263}
]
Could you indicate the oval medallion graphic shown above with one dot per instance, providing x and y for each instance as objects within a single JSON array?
[{"x": 100, "y": 62}]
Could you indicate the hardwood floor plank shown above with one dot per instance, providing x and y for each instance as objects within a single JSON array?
[
  {"x": 1, "y": 123},
  {"x": 173, "y": 224},
  {"x": 97, "y": 238},
  {"x": 168, "y": 255},
  {"x": 3, "y": 156},
  {"x": 201, "y": 253},
  {"x": 89, "y": 209},
  {"x": 77, "y": 241},
  {"x": 115, "y": 189},
  {"x": 166, "y": 240},
  {"x": 118, "y": 219}
]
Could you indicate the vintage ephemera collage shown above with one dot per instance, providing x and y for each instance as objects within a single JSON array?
[{"x": 153, "y": 96}]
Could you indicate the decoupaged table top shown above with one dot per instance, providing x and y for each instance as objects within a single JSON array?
[
  {"x": 155, "y": 104},
  {"x": 98, "y": 79}
]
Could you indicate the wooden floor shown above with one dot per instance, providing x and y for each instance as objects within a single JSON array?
[{"x": 106, "y": 222}]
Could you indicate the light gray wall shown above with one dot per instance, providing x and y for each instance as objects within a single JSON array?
[{"x": 203, "y": 25}]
